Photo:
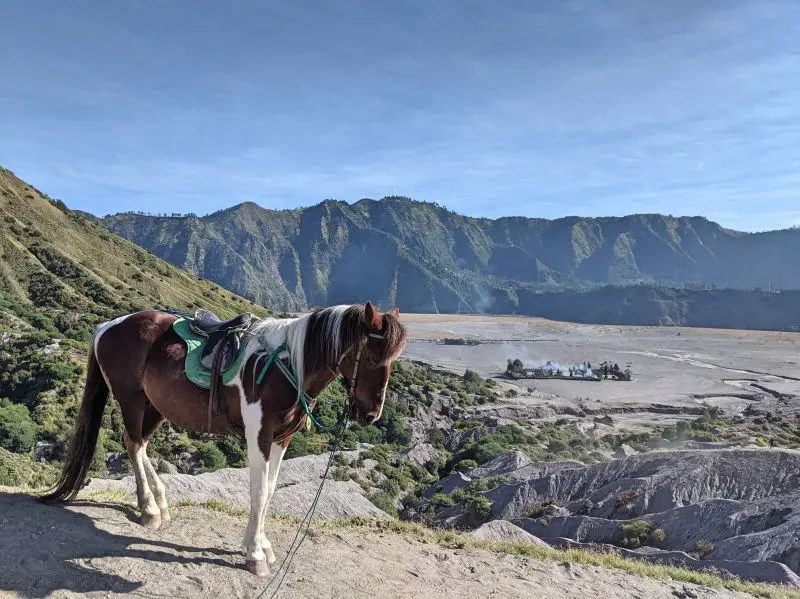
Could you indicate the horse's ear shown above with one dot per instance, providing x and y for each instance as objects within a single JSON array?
[
  {"x": 372, "y": 316},
  {"x": 395, "y": 312}
]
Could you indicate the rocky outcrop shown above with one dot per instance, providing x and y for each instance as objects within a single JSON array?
[
  {"x": 518, "y": 466},
  {"x": 773, "y": 572},
  {"x": 743, "y": 502},
  {"x": 298, "y": 482},
  {"x": 653, "y": 482},
  {"x": 758, "y": 530},
  {"x": 421, "y": 454},
  {"x": 505, "y": 531}
]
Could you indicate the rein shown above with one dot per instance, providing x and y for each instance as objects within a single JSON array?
[{"x": 351, "y": 385}]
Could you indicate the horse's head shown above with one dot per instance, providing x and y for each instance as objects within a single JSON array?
[{"x": 367, "y": 365}]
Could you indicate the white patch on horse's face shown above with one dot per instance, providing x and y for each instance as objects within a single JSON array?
[{"x": 383, "y": 402}]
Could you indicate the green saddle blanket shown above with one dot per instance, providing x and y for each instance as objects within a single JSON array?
[{"x": 195, "y": 371}]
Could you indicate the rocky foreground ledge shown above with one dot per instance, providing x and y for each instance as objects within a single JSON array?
[
  {"x": 94, "y": 549},
  {"x": 737, "y": 509},
  {"x": 741, "y": 506},
  {"x": 298, "y": 482}
]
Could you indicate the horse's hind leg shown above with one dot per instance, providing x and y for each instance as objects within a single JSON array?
[
  {"x": 151, "y": 514},
  {"x": 152, "y": 420},
  {"x": 133, "y": 405}
]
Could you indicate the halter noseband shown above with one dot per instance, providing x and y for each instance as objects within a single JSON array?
[{"x": 351, "y": 385}]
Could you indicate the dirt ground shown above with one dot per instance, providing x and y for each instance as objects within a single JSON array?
[
  {"x": 679, "y": 367},
  {"x": 96, "y": 550}
]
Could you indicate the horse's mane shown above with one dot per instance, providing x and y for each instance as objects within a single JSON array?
[{"x": 316, "y": 341}]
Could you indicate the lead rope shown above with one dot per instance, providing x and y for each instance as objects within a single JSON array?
[{"x": 295, "y": 544}]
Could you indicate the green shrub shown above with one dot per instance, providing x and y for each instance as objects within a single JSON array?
[
  {"x": 480, "y": 506},
  {"x": 340, "y": 473},
  {"x": 496, "y": 481},
  {"x": 557, "y": 446},
  {"x": 437, "y": 465},
  {"x": 441, "y": 500},
  {"x": 17, "y": 430},
  {"x": 393, "y": 422},
  {"x": 436, "y": 437},
  {"x": 379, "y": 453},
  {"x": 384, "y": 501},
  {"x": 506, "y": 438},
  {"x": 657, "y": 538},
  {"x": 235, "y": 452},
  {"x": 470, "y": 376},
  {"x": 21, "y": 471},
  {"x": 702, "y": 548},
  {"x": 465, "y": 465},
  {"x": 636, "y": 533},
  {"x": 306, "y": 443},
  {"x": 460, "y": 495},
  {"x": 477, "y": 486},
  {"x": 466, "y": 425},
  {"x": 542, "y": 508},
  {"x": 209, "y": 457}
]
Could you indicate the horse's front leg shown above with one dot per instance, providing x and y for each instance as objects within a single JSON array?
[
  {"x": 273, "y": 467},
  {"x": 255, "y": 558}
]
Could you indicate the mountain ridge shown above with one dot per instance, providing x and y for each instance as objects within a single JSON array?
[
  {"x": 427, "y": 258},
  {"x": 62, "y": 272}
]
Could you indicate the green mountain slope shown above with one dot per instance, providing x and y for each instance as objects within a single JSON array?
[
  {"x": 423, "y": 257},
  {"x": 62, "y": 273}
]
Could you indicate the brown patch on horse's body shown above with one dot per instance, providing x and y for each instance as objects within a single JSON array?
[
  {"x": 155, "y": 366},
  {"x": 143, "y": 361}
]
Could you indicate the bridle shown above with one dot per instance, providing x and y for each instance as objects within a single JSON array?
[
  {"x": 306, "y": 401},
  {"x": 353, "y": 382}
]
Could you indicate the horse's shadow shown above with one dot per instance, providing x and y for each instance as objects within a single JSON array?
[{"x": 47, "y": 548}]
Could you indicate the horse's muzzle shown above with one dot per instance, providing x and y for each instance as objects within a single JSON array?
[
  {"x": 366, "y": 419},
  {"x": 363, "y": 418}
]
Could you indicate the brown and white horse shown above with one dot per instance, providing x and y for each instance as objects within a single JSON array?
[{"x": 140, "y": 359}]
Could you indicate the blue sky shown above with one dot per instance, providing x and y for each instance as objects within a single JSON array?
[{"x": 492, "y": 108}]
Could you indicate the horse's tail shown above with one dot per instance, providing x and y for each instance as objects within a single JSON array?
[{"x": 84, "y": 441}]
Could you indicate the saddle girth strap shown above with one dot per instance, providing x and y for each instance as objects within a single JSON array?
[{"x": 217, "y": 403}]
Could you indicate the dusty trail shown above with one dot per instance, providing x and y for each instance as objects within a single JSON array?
[{"x": 95, "y": 550}]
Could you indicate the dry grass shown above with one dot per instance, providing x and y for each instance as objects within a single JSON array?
[{"x": 455, "y": 540}]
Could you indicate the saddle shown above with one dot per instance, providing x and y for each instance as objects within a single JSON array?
[
  {"x": 224, "y": 337},
  {"x": 224, "y": 342}
]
